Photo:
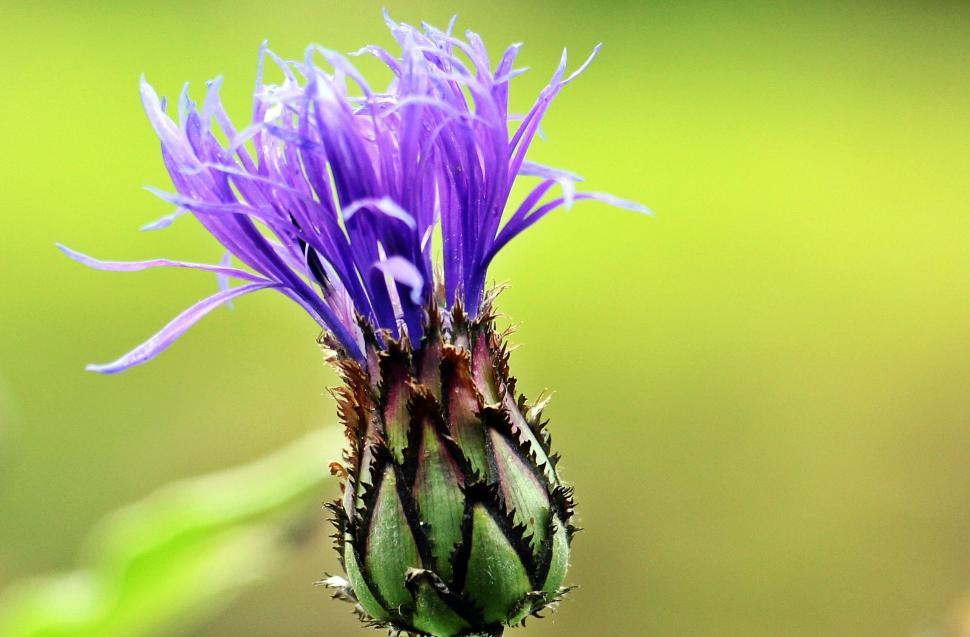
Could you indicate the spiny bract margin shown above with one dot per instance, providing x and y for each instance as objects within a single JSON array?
[{"x": 453, "y": 519}]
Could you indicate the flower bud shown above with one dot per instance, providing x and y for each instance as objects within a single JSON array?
[{"x": 453, "y": 519}]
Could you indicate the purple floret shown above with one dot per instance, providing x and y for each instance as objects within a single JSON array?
[{"x": 335, "y": 193}]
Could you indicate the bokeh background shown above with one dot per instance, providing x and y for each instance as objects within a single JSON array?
[{"x": 761, "y": 394}]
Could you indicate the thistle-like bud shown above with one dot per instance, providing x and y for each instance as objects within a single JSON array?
[
  {"x": 453, "y": 519},
  {"x": 379, "y": 213}
]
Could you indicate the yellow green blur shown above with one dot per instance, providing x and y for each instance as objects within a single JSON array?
[{"x": 761, "y": 394}]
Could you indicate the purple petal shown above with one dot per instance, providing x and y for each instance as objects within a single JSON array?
[
  {"x": 170, "y": 135},
  {"x": 532, "y": 169},
  {"x": 222, "y": 279},
  {"x": 283, "y": 195},
  {"x": 163, "y": 222},
  {"x": 584, "y": 66},
  {"x": 213, "y": 208},
  {"x": 403, "y": 271},
  {"x": 384, "y": 205},
  {"x": 136, "y": 266},
  {"x": 175, "y": 328}
]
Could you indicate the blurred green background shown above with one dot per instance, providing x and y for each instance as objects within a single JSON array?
[{"x": 761, "y": 394}]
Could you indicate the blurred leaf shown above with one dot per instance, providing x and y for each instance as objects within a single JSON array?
[{"x": 180, "y": 551}]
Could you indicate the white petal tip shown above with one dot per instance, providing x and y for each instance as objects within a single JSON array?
[
  {"x": 101, "y": 369},
  {"x": 72, "y": 254}
]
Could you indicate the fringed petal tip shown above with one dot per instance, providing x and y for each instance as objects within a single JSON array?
[
  {"x": 585, "y": 65},
  {"x": 107, "y": 369},
  {"x": 617, "y": 202},
  {"x": 174, "y": 329},
  {"x": 72, "y": 254},
  {"x": 152, "y": 104},
  {"x": 222, "y": 269},
  {"x": 163, "y": 222}
]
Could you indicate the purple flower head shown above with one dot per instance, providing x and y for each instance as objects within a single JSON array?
[{"x": 341, "y": 196}]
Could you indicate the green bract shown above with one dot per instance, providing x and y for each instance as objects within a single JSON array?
[{"x": 453, "y": 519}]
